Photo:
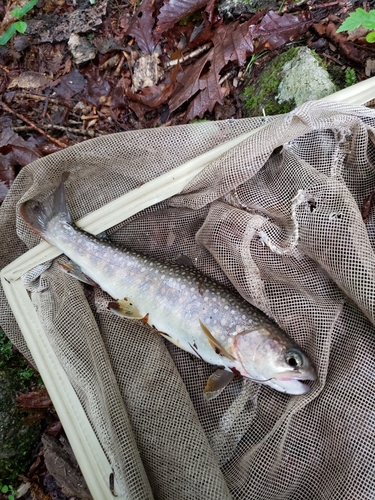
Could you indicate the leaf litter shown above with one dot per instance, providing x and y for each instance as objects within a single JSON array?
[{"x": 163, "y": 62}]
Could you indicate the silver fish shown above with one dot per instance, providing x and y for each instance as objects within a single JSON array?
[{"x": 189, "y": 309}]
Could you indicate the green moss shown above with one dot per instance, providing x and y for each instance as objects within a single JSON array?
[
  {"x": 262, "y": 97},
  {"x": 16, "y": 439}
]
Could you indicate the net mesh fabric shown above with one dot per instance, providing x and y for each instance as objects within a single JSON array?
[{"x": 278, "y": 218}]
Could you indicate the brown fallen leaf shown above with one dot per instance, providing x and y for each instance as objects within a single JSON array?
[
  {"x": 348, "y": 48},
  {"x": 14, "y": 152},
  {"x": 35, "y": 400},
  {"x": 153, "y": 97},
  {"x": 233, "y": 42},
  {"x": 3, "y": 191},
  {"x": 174, "y": 10},
  {"x": 54, "y": 429},
  {"x": 141, "y": 26},
  {"x": 30, "y": 80}
]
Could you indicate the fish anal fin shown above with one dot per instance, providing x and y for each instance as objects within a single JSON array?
[
  {"x": 126, "y": 309},
  {"x": 73, "y": 269},
  {"x": 215, "y": 344},
  {"x": 217, "y": 383}
]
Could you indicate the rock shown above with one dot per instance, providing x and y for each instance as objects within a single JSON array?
[
  {"x": 82, "y": 50},
  {"x": 290, "y": 79},
  {"x": 236, "y": 8},
  {"x": 304, "y": 79}
]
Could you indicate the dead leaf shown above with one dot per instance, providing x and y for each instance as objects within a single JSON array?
[
  {"x": 14, "y": 151},
  {"x": 141, "y": 26},
  {"x": 3, "y": 191},
  {"x": 152, "y": 97},
  {"x": 275, "y": 30},
  {"x": 30, "y": 80},
  {"x": 54, "y": 429},
  {"x": 233, "y": 42},
  {"x": 347, "y": 48},
  {"x": 174, "y": 10},
  {"x": 70, "y": 84},
  {"x": 35, "y": 400}
]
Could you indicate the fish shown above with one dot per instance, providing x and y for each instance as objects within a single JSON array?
[{"x": 180, "y": 303}]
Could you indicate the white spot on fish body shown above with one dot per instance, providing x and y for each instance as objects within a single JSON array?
[{"x": 223, "y": 322}]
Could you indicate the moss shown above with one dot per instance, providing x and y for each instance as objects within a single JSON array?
[
  {"x": 262, "y": 96},
  {"x": 337, "y": 74},
  {"x": 16, "y": 439},
  {"x": 291, "y": 78}
]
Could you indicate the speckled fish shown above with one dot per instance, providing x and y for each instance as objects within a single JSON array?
[{"x": 189, "y": 309}]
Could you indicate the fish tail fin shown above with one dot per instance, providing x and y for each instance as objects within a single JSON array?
[{"x": 37, "y": 215}]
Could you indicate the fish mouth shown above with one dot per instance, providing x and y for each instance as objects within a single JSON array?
[{"x": 293, "y": 384}]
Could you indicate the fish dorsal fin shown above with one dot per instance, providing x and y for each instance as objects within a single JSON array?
[
  {"x": 215, "y": 344},
  {"x": 125, "y": 308},
  {"x": 76, "y": 272},
  {"x": 217, "y": 383}
]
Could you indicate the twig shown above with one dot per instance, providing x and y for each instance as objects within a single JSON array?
[
  {"x": 225, "y": 77},
  {"x": 89, "y": 117},
  {"x": 7, "y": 109},
  {"x": 119, "y": 66},
  {"x": 324, "y": 5},
  {"x": 60, "y": 128},
  {"x": 328, "y": 56},
  {"x": 37, "y": 97},
  {"x": 195, "y": 53},
  {"x": 69, "y": 129}
]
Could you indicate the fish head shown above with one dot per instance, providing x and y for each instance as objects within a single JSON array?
[{"x": 268, "y": 356}]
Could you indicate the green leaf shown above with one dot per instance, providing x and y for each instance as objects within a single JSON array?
[
  {"x": 11, "y": 497},
  {"x": 354, "y": 21},
  {"x": 370, "y": 37},
  {"x": 370, "y": 22},
  {"x": 20, "y": 12},
  {"x": 4, "y": 489},
  {"x": 7, "y": 35},
  {"x": 20, "y": 26}
]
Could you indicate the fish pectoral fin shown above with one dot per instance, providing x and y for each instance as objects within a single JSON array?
[
  {"x": 215, "y": 344},
  {"x": 73, "y": 269},
  {"x": 126, "y": 309},
  {"x": 217, "y": 383}
]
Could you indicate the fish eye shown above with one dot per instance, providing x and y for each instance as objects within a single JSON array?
[{"x": 293, "y": 358}]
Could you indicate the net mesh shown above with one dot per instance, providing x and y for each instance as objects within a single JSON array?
[{"x": 278, "y": 218}]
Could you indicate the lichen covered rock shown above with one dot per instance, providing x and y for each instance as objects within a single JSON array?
[{"x": 290, "y": 79}]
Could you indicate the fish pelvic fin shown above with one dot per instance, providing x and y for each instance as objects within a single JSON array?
[
  {"x": 217, "y": 383},
  {"x": 73, "y": 270},
  {"x": 215, "y": 344},
  {"x": 37, "y": 215},
  {"x": 126, "y": 309}
]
